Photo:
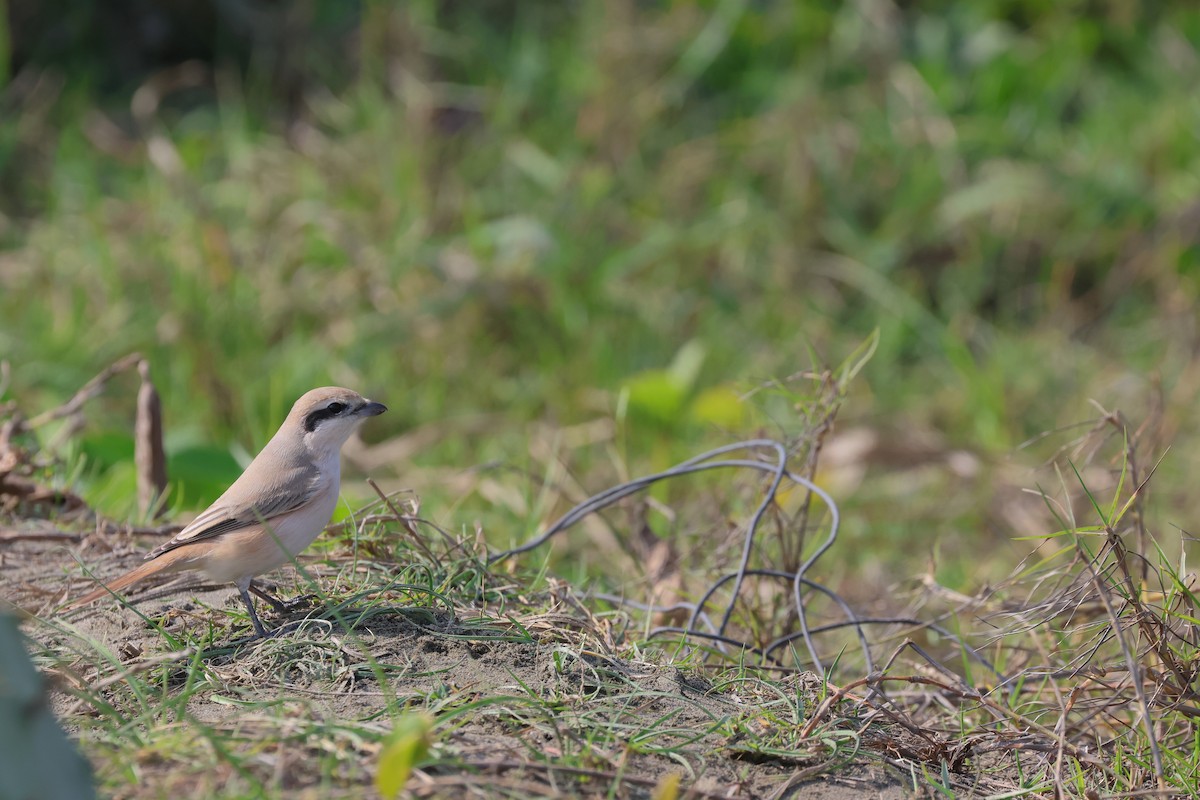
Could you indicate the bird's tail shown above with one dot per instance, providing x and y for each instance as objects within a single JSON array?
[{"x": 170, "y": 561}]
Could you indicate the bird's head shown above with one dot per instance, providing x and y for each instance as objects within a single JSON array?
[{"x": 326, "y": 417}]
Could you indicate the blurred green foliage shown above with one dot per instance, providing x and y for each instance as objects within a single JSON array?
[{"x": 545, "y": 211}]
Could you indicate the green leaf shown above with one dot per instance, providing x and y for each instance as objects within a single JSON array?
[
  {"x": 720, "y": 406},
  {"x": 855, "y": 362},
  {"x": 107, "y": 448},
  {"x": 655, "y": 394},
  {"x": 202, "y": 473},
  {"x": 667, "y": 787},
  {"x": 685, "y": 367},
  {"x": 406, "y": 746}
]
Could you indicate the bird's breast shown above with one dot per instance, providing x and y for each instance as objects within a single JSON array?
[{"x": 258, "y": 549}]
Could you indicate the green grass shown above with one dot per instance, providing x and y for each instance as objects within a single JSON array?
[
  {"x": 1049, "y": 678},
  {"x": 528, "y": 683},
  {"x": 567, "y": 246},
  {"x": 999, "y": 190}
]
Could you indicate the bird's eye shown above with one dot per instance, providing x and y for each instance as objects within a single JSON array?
[{"x": 335, "y": 408}]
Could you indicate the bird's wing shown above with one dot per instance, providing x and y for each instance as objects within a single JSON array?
[{"x": 285, "y": 491}]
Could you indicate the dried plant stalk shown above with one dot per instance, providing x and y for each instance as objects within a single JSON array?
[{"x": 148, "y": 454}]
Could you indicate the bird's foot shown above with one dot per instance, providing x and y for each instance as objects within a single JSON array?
[
  {"x": 297, "y": 603},
  {"x": 282, "y": 607}
]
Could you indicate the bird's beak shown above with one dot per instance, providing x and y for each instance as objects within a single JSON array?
[{"x": 371, "y": 409}]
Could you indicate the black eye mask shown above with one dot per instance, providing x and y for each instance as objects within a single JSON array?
[{"x": 315, "y": 418}]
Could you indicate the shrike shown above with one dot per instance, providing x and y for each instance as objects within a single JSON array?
[{"x": 278, "y": 506}]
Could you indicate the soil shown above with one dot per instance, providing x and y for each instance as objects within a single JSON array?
[{"x": 321, "y": 671}]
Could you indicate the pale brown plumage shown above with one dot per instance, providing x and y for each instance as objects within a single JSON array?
[{"x": 273, "y": 510}]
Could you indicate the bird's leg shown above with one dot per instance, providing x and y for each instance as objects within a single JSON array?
[
  {"x": 258, "y": 626},
  {"x": 281, "y": 606},
  {"x": 274, "y": 602}
]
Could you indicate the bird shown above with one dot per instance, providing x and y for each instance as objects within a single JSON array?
[{"x": 274, "y": 510}]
